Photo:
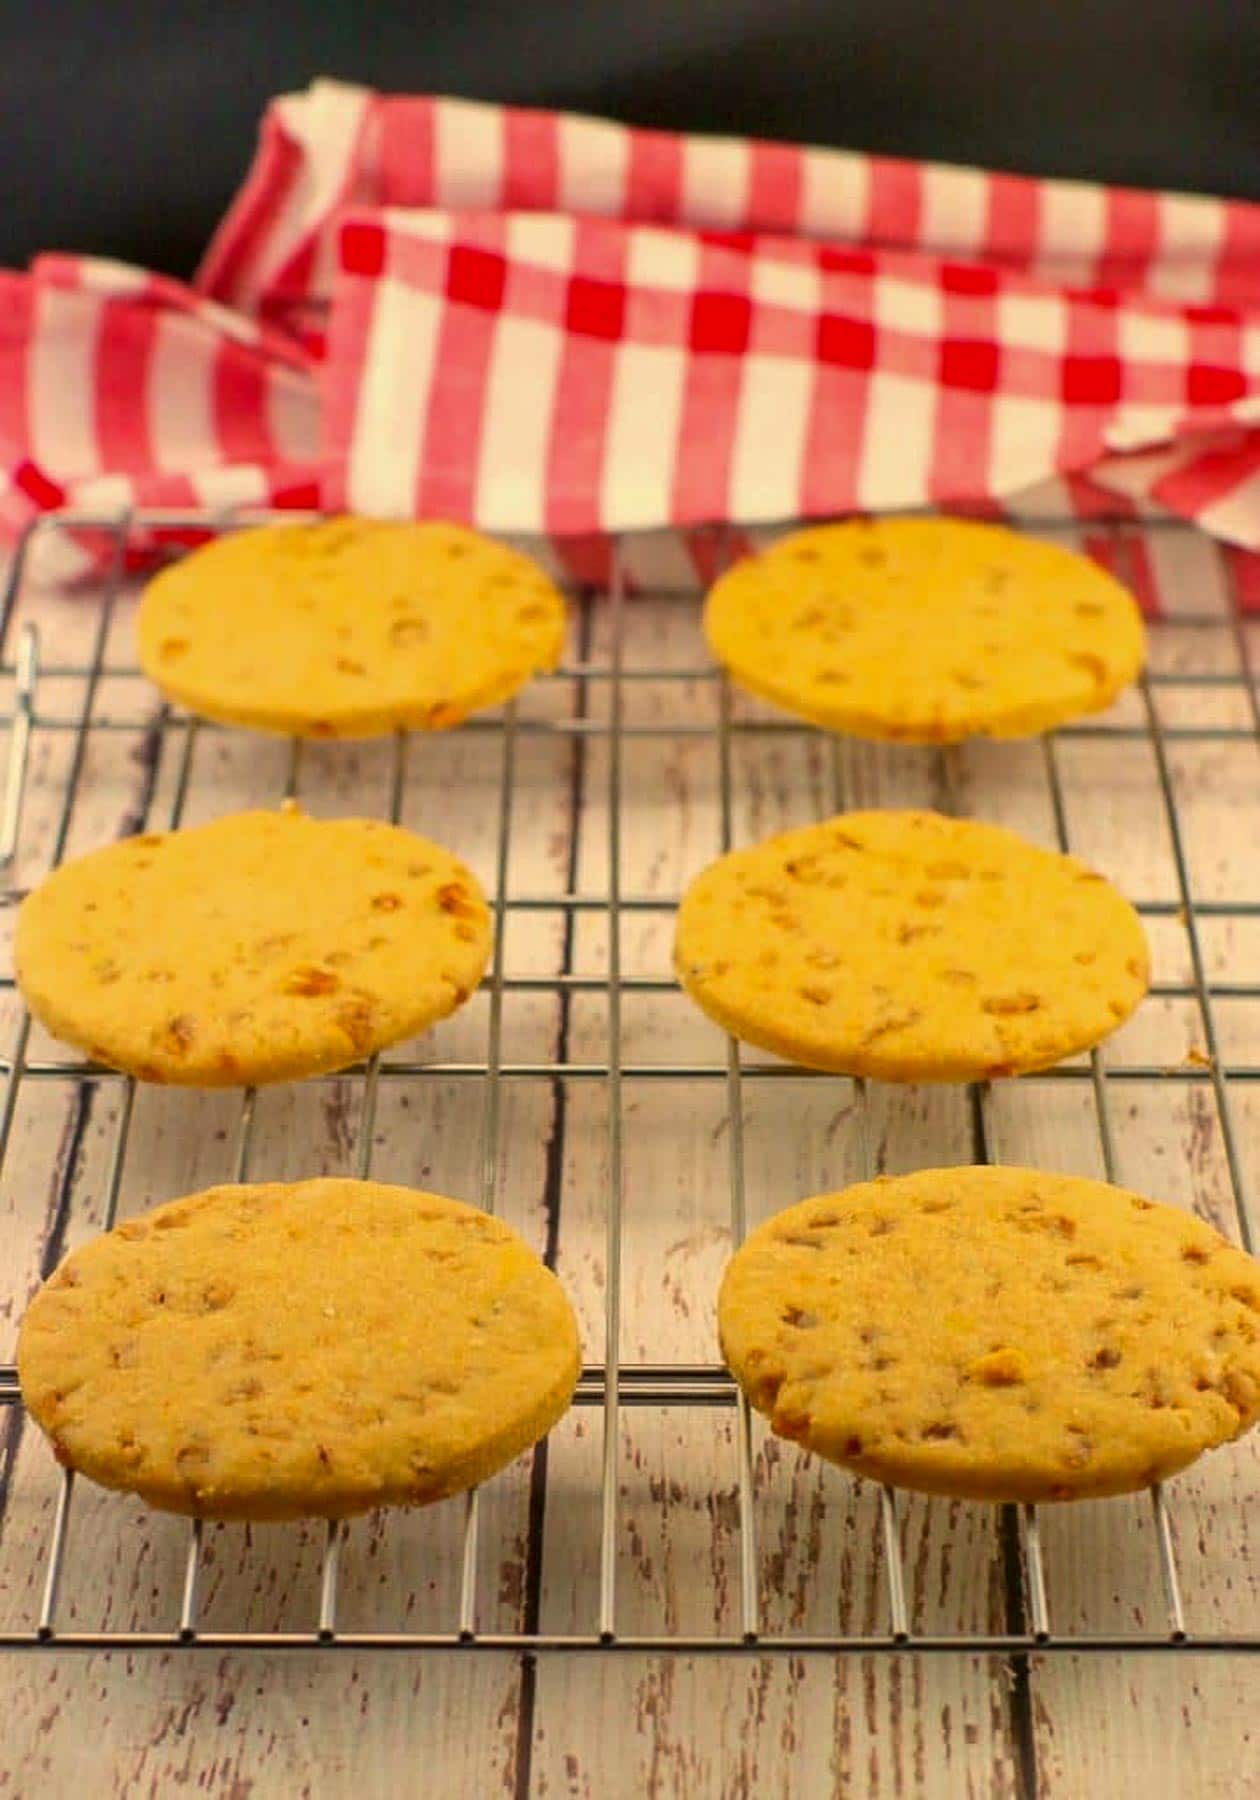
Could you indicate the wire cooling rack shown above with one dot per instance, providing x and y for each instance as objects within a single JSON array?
[{"x": 574, "y": 1508}]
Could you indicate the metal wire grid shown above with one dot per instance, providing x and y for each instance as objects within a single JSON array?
[{"x": 611, "y": 1384}]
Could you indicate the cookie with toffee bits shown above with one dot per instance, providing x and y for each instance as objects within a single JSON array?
[
  {"x": 996, "y": 1333},
  {"x": 305, "y": 1349},
  {"x": 910, "y": 947},
  {"x": 349, "y": 628},
  {"x": 926, "y": 631},
  {"x": 265, "y": 946}
]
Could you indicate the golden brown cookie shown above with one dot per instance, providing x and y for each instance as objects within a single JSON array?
[
  {"x": 263, "y": 947},
  {"x": 925, "y": 630},
  {"x": 299, "y": 1349},
  {"x": 994, "y": 1333},
  {"x": 348, "y": 628},
  {"x": 910, "y": 947}
]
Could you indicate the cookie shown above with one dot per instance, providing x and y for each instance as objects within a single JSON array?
[
  {"x": 263, "y": 947},
  {"x": 348, "y": 628},
  {"x": 996, "y": 1334},
  {"x": 910, "y": 947},
  {"x": 926, "y": 631},
  {"x": 303, "y": 1349}
]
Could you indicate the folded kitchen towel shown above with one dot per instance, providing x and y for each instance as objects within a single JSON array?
[{"x": 569, "y": 328}]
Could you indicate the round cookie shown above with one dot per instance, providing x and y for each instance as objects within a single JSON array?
[
  {"x": 927, "y": 631},
  {"x": 262, "y": 947},
  {"x": 348, "y": 628},
  {"x": 305, "y": 1349},
  {"x": 910, "y": 947},
  {"x": 996, "y": 1333}
]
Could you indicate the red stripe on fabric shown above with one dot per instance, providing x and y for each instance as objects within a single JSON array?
[
  {"x": 709, "y": 551},
  {"x": 578, "y": 439},
  {"x": 1214, "y": 375},
  {"x": 894, "y": 207},
  {"x": 17, "y": 324},
  {"x": 446, "y": 479},
  {"x": 239, "y": 404},
  {"x": 1091, "y": 383},
  {"x": 1141, "y": 576},
  {"x": 531, "y": 160},
  {"x": 164, "y": 488},
  {"x": 37, "y": 486},
  {"x": 833, "y": 441},
  {"x": 1236, "y": 277},
  {"x": 293, "y": 489},
  {"x": 1244, "y": 568},
  {"x": 1012, "y": 220},
  {"x": 1131, "y": 235},
  {"x": 1088, "y": 499},
  {"x": 1207, "y": 479},
  {"x": 239, "y": 243},
  {"x": 290, "y": 287},
  {"x": 775, "y": 184},
  {"x": 125, "y": 339},
  {"x": 406, "y": 153},
  {"x": 654, "y": 178},
  {"x": 719, "y": 333},
  {"x": 968, "y": 375},
  {"x": 586, "y": 559},
  {"x": 341, "y": 381}
]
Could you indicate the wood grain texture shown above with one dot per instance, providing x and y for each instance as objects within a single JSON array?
[{"x": 330, "y": 1723}]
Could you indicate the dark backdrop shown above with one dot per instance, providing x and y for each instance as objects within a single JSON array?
[{"x": 125, "y": 126}]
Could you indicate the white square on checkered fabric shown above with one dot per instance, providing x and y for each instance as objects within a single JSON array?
[
  {"x": 384, "y": 453},
  {"x": 326, "y": 122},
  {"x": 796, "y": 286},
  {"x": 898, "y": 442},
  {"x": 1023, "y": 441},
  {"x": 543, "y": 239},
  {"x": 469, "y": 154},
  {"x": 1032, "y": 322},
  {"x": 1143, "y": 337},
  {"x": 835, "y": 195},
  {"x": 594, "y": 157},
  {"x": 241, "y": 484},
  {"x": 955, "y": 211},
  {"x": 915, "y": 307},
  {"x": 668, "y": 260},
  {"x": 770, "y": 435},
  {"x": 1234, "y": 515},
  {"x": 1073, "y": 223},
  {"x": 61, "y": 383},
  {"x": 179, "y": 401},
  {"x": 1191, "y": 232},
  {"x": 1251, "y": 350},
  {"x": 520, "y": 400},
  {"x": 641, "y": 441},
  {"x": 715, "y": 182},
  {"x": 426, "y": 222}
]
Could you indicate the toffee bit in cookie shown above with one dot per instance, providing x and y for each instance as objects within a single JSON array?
[{"x": 312, "y": 982}]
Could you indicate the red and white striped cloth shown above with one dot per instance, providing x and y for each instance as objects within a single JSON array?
[{"x": 560, "y": 326}]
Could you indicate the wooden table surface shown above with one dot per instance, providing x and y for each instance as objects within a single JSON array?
[{"x": 333, "y": 1721}]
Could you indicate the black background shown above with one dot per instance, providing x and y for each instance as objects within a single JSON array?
[{"x": 125, "y": 128}]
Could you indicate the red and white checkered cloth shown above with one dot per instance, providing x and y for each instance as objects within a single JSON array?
[{"x": 560, "y": 326}]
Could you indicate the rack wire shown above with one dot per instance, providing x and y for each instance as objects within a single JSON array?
[{"x": 598, "y": 687}]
